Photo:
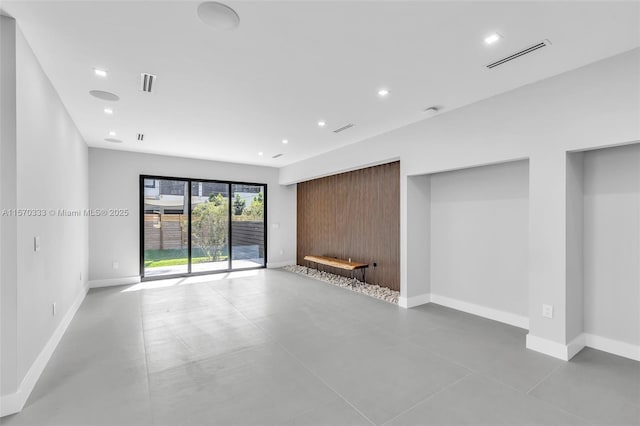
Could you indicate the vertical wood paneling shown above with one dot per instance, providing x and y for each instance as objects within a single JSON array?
[{"x": 354, "y": 215}]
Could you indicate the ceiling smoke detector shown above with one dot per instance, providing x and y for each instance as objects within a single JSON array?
[
  {"x": 218, "y": 15},
  {"x": 147, "y": 81}
]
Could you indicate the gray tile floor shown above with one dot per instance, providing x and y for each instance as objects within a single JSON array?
[{"x": 270, "y": 347}]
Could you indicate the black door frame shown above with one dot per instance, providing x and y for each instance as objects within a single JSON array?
[{"x": 189, "y": 182}]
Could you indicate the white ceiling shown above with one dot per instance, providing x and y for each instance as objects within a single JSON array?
[{"x": 226, "y": 95}]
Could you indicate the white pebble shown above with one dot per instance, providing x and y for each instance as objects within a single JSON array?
[{"x": 373, "y": 290}]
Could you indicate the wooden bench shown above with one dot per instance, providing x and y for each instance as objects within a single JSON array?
[{"x": 339, "y": 263}]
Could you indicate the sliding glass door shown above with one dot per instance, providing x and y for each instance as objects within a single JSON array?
[
  {"x": 209, "y": 226},
  {"x": 247, "y": 230},
  {"x": 165, "y": 241},
  {"x": 191, "y": 226}
]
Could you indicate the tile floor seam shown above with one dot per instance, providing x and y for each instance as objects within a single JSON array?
[
  {"x": 550, "y": 404},
  {"x": 469, "y": 370},
  {"x": 146, "y": 360},
  {"x": 58, "y": 403},
  {"x": 500, "y": 382},
  {"x": 314, "y": 374},
  {"x": 442, "y": 389},
  {"x": 487, "y": 375},
  {"x": 437, "y": 355},
  {"x": 547, "y": 376}
]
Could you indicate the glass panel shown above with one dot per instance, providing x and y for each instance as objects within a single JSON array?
[
  {"x": 247, "y": 228},
  {"x": 165, "y": 227},
  {"x": 209, "y": 226}
]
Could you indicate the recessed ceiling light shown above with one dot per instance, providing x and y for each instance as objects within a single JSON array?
[
  {"x": 492, "y": 38},
  {"x": 285, "y": 141},
  {"x": 261, "y": 153},
  {"x": 112, "y": 133},
  {"x": 100, "y": 73},
  {"x": 383, "y": 92},
  {"x": 108, "y": 111},
  {"x": 105, "y": 96},
  {"x": 322, "y": 123},
  {"x": 218, "y": 15}
]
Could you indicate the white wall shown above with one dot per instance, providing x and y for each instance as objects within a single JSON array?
[
  {"x": 612, "y": 243},
  {"x": 415, "y": 258},
  {"x": 50, "y": 174},
  {"x": 591, "y": 107},
  {"x": 8, "y": 224},
  {"x": 479, "y": 236},
  {"x": 574, "y": 246},
  {"x": 114, "y": 183}
]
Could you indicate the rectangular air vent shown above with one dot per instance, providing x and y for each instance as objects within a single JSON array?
[
  {"x": 147, "y": 81},
  {"x": 343, "y": 128},
  {"x": 533, "y": 48},
  {"x": 277, "y": 156},
  {"x": 140, "y": 136}
]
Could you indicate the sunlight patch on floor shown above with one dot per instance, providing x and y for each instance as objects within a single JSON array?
[{"x": 172, "y": 282}]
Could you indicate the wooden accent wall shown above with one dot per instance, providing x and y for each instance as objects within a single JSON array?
[{"x": 354, "y": 215}]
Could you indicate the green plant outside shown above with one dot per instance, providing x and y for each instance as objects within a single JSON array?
[{"x": 175, "y": 257}]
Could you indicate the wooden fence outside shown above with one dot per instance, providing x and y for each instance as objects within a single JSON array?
[{"x": 169, "y": 231}]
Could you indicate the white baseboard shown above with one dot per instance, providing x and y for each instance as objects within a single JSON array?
[
  {"x": 114, "y": 282},
  {"x": 273, "y": 265},
  {"x": 555, "y": 349},
  {"x": 548, "y": 347},
  {"x": 568, "y": 351},
  {"x": 410, "y": 302},
  {"x": 482, "y": 311},
  {"x": 615, "y": 347},
  {"x": 575, "y": 346},
  {"x": 13, "y": 403}
]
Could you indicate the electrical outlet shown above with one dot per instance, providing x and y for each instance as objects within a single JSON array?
[
  {"x": 547, "y": 311},
  {"x": 53, "y": 309},
  {"x": 115, "y": 265}
]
